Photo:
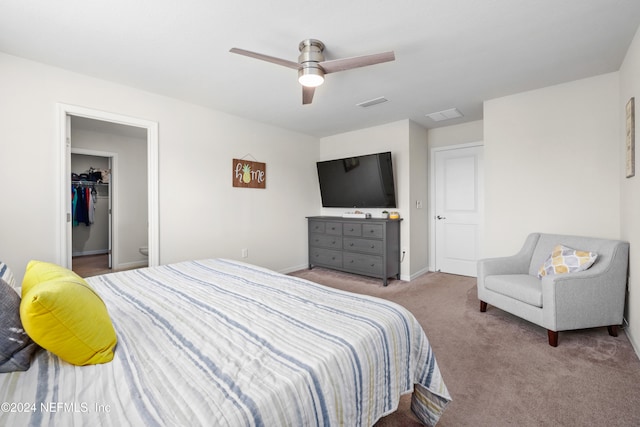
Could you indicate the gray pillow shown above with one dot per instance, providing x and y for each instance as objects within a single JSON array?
[
  {"x": 16, "y": 348},
  {"x": 6, "y": 275}
]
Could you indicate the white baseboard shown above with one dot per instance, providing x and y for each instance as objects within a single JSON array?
[
  {"x": 416, "y": 274},
  {"x": 292, "y": 269},
  {"x": 95, "y": 252},
  {"x": 131, "y": 265}
]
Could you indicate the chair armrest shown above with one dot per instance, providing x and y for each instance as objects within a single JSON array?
[
  {"x": 590, "y": 298},
  {"x": 515, "y": 264}
]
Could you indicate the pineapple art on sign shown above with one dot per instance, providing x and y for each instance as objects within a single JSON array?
[{"x": 249, "y": 174}]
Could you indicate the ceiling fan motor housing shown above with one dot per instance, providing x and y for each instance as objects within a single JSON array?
[{"x": 310, "y": 56}]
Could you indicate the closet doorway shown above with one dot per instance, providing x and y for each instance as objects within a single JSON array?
[
  {"x": 91, "y": 206},
  {"x": 132, "y": 189},
  {"x": 117, "y": 234}
]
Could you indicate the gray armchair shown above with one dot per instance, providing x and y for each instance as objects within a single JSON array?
[{"x": 579, "y": 300}]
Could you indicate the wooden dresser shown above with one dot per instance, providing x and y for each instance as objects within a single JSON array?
[{"x": 370, "y": 247}]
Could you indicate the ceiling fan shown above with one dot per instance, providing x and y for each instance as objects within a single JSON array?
[{"x": 312, "y": 66}]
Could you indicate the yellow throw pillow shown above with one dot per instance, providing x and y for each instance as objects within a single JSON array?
[
  {"x": 566, "y": 260},
  {"x": 40, "y": 271},
  {"x": 65, "y": 316}
]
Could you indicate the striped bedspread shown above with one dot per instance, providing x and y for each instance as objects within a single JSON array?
[{"x": 223, "y": 343}]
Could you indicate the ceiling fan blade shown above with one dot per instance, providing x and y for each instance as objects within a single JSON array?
[
  {"x": 307, "y": 94},
  {"x": 267, "y": 58},
  {"x": 356, "y": 61}
]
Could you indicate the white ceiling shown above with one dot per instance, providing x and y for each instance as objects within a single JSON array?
[{"x": 449, "y": 53}]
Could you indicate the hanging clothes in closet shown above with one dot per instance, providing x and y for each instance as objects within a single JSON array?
[{"x": 83, "y": 200}]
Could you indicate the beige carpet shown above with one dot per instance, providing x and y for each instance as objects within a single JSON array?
[{"x": 499, "y": 369}]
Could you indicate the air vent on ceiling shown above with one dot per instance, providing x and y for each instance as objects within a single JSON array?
[
  {"x": 371, "y": 102},
  {"x": 451, "y": 113}
]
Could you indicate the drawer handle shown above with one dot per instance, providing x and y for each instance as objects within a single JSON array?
[
  {"x": 350, "y": 244},
  {"x": 373, "y": 246}
]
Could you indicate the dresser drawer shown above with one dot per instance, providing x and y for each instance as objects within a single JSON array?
[
  {"x": 367, "y": 264},
  {"x": 352, "y": 229},
  {"x": 325, "y": 241},
  {"x": 326, "y": 257},
  {"x": 316, "y": 226},
  {"x": 334, "y": 228},
  {"x": 372, "y": 230},
  {"x": 363, "y": 245}
]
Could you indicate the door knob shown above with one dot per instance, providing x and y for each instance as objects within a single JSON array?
[{"x": 441, "y": 217}]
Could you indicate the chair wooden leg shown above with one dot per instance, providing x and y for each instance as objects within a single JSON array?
[
  {"x": 613, "y": 330},
  {"x": 483, "y": 306},
  {"x": 553, "y": 337}
]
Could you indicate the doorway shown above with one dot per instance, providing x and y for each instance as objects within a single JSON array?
[
  {"x": 92, "y": 242},
  {"x": 68, "y": 113},
  {"x": 458, "y": 207}
]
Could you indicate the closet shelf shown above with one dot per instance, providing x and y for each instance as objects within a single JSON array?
[{"x": 84, "y": 182}]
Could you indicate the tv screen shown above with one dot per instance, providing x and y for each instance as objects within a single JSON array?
[{"x": 357, "y": 182}]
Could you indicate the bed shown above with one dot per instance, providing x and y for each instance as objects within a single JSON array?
[{"x": 225, "y": 343}]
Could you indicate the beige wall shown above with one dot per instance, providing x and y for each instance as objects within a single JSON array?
[
  {"x": 630, "y": 188},
  {"x": 457, "y": 134},
  {"x": 418, "y": 192},
  {"x": 552, "y": 162},
  {"x": 201, "y": 214}
]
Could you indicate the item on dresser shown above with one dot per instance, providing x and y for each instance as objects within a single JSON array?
[
  {"x": 356, "y": 214},
  {"x": 370, "y": 247}
]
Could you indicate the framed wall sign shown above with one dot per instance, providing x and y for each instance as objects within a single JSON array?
[
  {"x": 631, "y": 138},
  {"x": 248, "y": 174}
]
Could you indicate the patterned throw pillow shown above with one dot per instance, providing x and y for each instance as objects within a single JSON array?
[{"x": 566, "y": 260}]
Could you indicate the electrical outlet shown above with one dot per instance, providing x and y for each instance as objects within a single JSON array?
[{"x": 245, "y": 253}]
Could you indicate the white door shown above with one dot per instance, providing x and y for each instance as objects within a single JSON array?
[{"x": 458, "y": 209}]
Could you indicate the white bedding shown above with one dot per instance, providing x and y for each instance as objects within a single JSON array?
[{"x": 222, "y": 343}]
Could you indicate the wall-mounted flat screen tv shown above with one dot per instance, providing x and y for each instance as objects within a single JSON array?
[{"x": 357, "y": 182}]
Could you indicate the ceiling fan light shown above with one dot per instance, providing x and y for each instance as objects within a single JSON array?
[{"x": 310, "y": 77}]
